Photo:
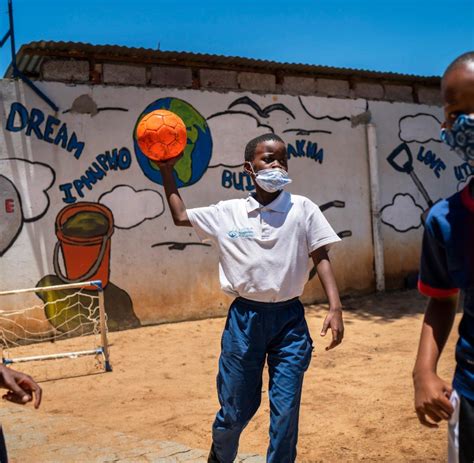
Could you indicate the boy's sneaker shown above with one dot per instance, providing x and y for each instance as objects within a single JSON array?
[{"x": 212, "y": 456}]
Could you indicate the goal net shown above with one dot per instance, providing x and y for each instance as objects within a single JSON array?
[{"x": 59, "y": 322}]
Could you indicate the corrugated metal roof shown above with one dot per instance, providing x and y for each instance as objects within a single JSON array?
[{"x": 30, "y": 56}]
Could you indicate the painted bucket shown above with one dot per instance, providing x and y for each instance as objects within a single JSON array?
[{"x": 83, "y": 231}]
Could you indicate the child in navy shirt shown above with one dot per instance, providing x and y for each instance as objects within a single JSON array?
[{"x": 447, "y": 267}]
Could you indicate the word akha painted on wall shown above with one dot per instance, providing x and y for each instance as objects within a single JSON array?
[
  {"x": 306, "y": 149},
  {"x": 52, "y": 130}
]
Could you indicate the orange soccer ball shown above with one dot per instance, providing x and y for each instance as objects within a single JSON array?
[{"x": 161, "y": 135}]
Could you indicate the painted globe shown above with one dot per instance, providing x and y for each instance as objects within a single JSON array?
[
  {"x": 161, "y": 135},
  {"x": 197, "y": 152}
]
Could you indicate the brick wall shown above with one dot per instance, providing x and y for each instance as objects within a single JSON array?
[{"x": 278, "y": 82}]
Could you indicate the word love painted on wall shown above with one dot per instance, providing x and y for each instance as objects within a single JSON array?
[
  {"x": 51, "y": 130},
  {"x": 430, "y": 159},
  {"x": 401, "y": 159}
]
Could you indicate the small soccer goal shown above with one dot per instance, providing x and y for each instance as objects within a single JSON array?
[{"x": 59, "y": 322}]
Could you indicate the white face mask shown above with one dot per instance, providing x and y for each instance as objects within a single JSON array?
[{"x": 271, "y": 180}]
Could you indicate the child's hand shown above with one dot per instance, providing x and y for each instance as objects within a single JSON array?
[
  {"x": 334, "y": 321},
  {"x": 169, "y": 163},
  {"x": 432, "y": 399},
  {"x": 21, "y": 388}
]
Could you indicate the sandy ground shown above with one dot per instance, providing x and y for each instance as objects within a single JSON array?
[{"x": 357, "y": 402}]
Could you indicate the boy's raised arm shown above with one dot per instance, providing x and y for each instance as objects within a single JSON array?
[
  {"x": 175, "y": 202},
  {"x": 431, "y": 392}
]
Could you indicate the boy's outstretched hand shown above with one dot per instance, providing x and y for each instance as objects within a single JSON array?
[
  {"x": 21, "y": 387},
  {"x": 334, "y": 321},
  {"x": 432, "y": 399},
  {"x": 169, "y": 163}
]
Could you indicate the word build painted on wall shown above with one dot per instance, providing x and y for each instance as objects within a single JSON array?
[{"x": 238, "y": 180}]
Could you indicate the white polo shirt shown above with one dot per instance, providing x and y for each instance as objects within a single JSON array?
[{"x": 264, "y": 251}]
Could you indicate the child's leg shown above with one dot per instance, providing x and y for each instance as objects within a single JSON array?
[
  {"x": 466, "y": 431},
  {"x": 461, "y": 430},
  {"x": 3, "y": 448},
  {"x": 453, "y": 430},
  {"x": 288, "y": 359},
  {"x": 239, "y": 382}
]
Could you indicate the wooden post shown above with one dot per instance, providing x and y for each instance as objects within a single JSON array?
[{"x": 103, "y": 329}]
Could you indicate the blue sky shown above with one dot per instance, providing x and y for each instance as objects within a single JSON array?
[{"x": 415, "y": 37}]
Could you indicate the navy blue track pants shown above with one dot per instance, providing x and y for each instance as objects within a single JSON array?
[{"x": 255, "y": 332}]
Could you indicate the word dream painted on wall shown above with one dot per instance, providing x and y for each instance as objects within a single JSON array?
[
  {"x": 51, "y": 130},
  {"x": 34, "y": 121}
]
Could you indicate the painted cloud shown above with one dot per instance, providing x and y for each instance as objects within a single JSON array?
[
  {"x": 235, "y": 129},
  {"x": 141, "y": 205},
  {"x": 419, "y": 128},
  {"x": 11, "y": 219},
  {"x": 32, "y": 180},
  {"x": 403, "y": 213}
]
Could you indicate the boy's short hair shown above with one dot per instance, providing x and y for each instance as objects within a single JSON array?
[
  {"x": 459, "y": 61},
  {"x": 252, "y": 144}
]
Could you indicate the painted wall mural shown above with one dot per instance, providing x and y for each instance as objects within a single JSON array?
[
  {"x": 24, "y": 196},
  {"x": 197, "y": 154},
  {"x": 141, "y": 205},
  {"x": 82, "y": 253},
  {"x": 79, "y": 199},
  {"x": 416, "y": 171},
  {"x": 403, "y": 213}
]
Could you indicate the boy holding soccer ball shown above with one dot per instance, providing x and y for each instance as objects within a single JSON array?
[
  {"x": 447, "y": 267},
  {"x": 264, "y": 243}
]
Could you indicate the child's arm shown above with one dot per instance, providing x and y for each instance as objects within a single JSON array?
[
  {"x": 333, "y": 319},
  {"x": 176, "y": 204},
  {"x": 431, "y": 392},
  {"x": 21, "y": 387}
]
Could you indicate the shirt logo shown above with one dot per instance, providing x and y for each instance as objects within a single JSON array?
[{"x": 241, "y": 233}]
